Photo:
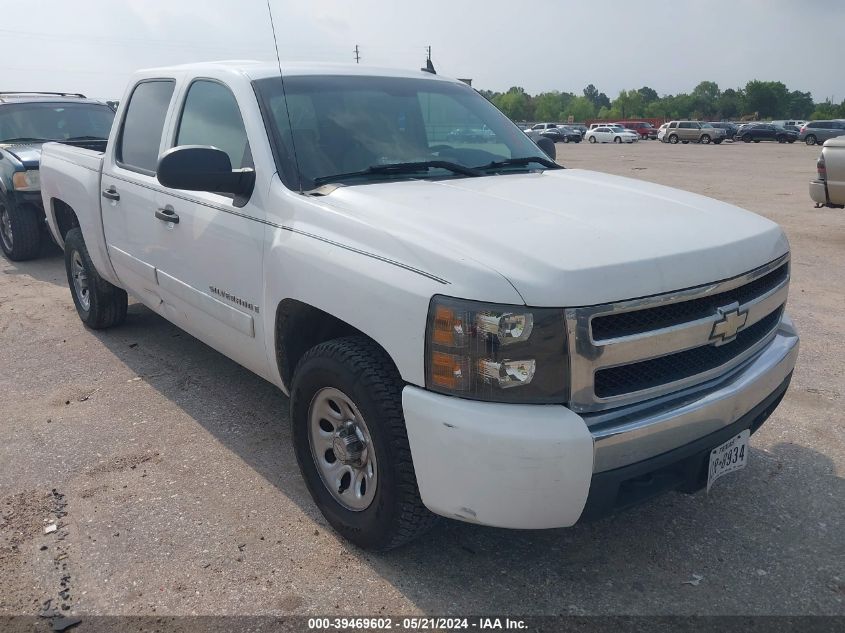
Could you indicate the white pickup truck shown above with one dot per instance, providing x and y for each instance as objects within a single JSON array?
[{"x": 464, "y": 329}]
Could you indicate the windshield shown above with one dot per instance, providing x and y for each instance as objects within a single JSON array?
[
  {"x": 347, "y": 124},
  {"x": 54, "y": 121}
]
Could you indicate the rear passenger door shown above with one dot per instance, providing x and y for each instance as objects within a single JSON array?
[
  {"x": 209, "y": 262},
  {"x": 130, "y": 191}
]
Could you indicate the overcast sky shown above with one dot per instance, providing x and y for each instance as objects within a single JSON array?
[{"x": 91, "y": 46}]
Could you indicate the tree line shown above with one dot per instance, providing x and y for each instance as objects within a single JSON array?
[{"x": 758, "y": 99}]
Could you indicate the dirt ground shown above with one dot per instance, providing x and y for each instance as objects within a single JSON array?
[{"x": 171, "y": 476}]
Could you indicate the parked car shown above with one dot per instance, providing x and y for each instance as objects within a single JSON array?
[
  {"x": 453, "y": 343},
  {"x": 757, "y": 132},
  {"x": 692, "y": 131},
  {"x": 820, "y": 131},
  {"x": 28, "y": 119},
  {"x": 787, "y": 123},
  {"x": 471, "y": 135},
  {"x": 661, "y": 132},
  {"x": 644, "y": 129},
  {"x": 611, "y": 134},
  {"x": 578, "y": 126},
  {"x": 828, "y": 189},
  {"x": 542, "y": 127},
  {"x": 729, "y": 128},
  {"x": 562, "y": 134}
]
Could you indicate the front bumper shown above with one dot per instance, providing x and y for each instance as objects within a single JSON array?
[{"x": 544, "y": 466}]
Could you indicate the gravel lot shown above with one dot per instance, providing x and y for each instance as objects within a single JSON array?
[{"x": 176, "y": 490}]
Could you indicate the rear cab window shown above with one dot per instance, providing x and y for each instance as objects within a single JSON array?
[{"x": 141, "y": 130}]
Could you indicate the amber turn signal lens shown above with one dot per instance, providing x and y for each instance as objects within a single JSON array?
[
  {"x": 448, "y": 371},
  {"x": 447, "y": 327}
]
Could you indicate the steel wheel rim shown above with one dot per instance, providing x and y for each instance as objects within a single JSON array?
[
  {"x": 6, "y": 228},
  {"x": 342, "y": 450},
  {"x": 80, "y": 281}
]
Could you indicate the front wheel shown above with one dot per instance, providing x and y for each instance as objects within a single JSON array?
[
  {"x": 617, "y": 140},
  {"x": 781, "y": 139},
  {"x": 705, "y": 139},
  {"x": 99, "y": 304},
  {"x": 592, "y": 139},
  {"x": 351, "y": 444},
  {"x": 565, "y": 139},
  {"x": 20, "y": 230}
]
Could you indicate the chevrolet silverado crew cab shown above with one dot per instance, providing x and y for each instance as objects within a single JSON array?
[
  {"x": 27, "y": 120},
  {"x": 464, "y": 329}
]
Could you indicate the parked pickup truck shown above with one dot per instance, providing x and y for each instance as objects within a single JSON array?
[
  {"x": 828, "y": 189},
  {"x": 472, "y": 332},
  {"x": 27, "y": 120}
]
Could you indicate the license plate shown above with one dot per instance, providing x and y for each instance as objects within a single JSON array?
[{"x": 730, "y": 456}]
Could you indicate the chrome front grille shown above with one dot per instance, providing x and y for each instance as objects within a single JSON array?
[{"x": 635, "y": 350}]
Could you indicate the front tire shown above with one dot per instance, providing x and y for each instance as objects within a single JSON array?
[
  {"x": 705, "y": 139},
  {"x": 352, "y": 446},
  {"x": 617, "y": 139},
  {"x": 592, "y": 139},
  {"x": 99, "y": 304},
  {"x": 20, "y": 230}
]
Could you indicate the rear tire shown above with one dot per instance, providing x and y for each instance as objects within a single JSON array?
[
  {"x": 617, "y": 139},
  {"x": 20, "y": 230},
  {"x": 746, "y": 138},
  {"x": 673, "y": 139},
  {"x": 355, "y": 371},
  {"x": 99, "y": 304},
  {"x": 810, "y": 139}
]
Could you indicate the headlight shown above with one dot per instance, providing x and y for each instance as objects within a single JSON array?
[
  {"x": 29, "y": 180},
  {"x": 498, "y": 353}
]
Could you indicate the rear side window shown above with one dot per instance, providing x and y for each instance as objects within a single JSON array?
[
  {"x": 140, "y": 137},
  {"x": 211, "y": 117}
]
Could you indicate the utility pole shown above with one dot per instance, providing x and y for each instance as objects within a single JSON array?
[
  {"x": 428, "y": 53},
  {"x": 357, "y": 55}
]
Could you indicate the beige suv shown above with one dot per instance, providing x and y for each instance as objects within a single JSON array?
[{"x": 695, "y": 131}]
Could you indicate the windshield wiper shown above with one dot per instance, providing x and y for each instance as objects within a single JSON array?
[
  {"x": 400, "y": 168},
  {"x": 84, "y": 138},
  {"x": 521, "y": 162},
  {"x": 26, "y": 139}
]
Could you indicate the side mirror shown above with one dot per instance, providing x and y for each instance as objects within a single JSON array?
[
  {"x": 202, "y": 168},
  {"x": 548, "y": 146}
]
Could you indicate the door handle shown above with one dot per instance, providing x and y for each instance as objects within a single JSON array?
[
  {"x": 111, "y": 194},
  {"x": 167, "y": 214}
]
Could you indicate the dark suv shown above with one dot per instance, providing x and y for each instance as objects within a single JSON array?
[{"x": 26, "y": 121}]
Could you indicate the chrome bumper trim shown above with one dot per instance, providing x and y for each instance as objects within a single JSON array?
[{"x": 631, "y": 434}]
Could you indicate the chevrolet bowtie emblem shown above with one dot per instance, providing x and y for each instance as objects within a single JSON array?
[{"x": 731, "y": 320}]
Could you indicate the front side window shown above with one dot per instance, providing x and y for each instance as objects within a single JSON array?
[
  {"x": 143, "y": 124},
  {"x": 45, "y": 121},
  {"x": 211, "y": 116},
  {"x": 340, "y": 125}
]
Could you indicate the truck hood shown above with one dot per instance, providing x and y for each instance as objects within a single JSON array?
[
  {"x": 28, "y": 154},
  {"x": 565, "y": 237}
]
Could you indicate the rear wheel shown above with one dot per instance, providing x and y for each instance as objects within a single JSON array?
[
  {"x": 20, "y": 230},
  {"x": 351, "y": 444},
  {"x": 673, "y": 139},
  {"x": 617, "y": 139},
  {"x": 781, "y": 139},
  {"x": 99, "y": 304},
  {"x": 746, "y": 138},
  {"x": 810, "y": 139}
]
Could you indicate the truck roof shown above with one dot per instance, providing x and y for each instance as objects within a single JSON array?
[
  {"x": 28, "y": 97},
  {"x": 254, "y": 69}
]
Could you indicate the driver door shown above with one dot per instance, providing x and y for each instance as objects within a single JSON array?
[{"x": 210, "y": 255}]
